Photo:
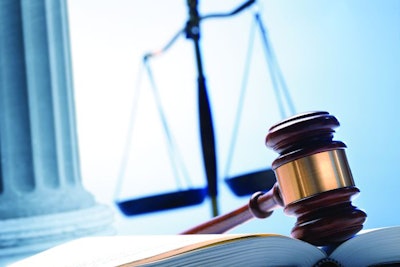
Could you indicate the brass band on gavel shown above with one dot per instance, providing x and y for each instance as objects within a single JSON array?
[{"x": 313, "y": 174}]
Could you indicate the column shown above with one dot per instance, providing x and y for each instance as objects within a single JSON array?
[{"x": 42, "y": 200}]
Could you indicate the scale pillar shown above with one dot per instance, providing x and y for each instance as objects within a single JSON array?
[{"x": 42, "y": 200}]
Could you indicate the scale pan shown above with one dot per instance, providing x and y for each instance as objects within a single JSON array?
[
  {"x": 249, "y": 183},
  {"x": 165, "y": 201}
]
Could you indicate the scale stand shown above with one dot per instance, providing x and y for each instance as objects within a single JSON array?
[
  {"x": 242, "y": 184},
  {"x": 192, "y": 31}
]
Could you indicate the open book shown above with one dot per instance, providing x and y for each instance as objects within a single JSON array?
[{"x": 373, "y": 248}]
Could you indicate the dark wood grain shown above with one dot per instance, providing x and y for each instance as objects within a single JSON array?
[{"x": 323, "y": 219}]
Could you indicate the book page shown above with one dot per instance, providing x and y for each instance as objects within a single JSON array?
[
  {"x": 179, "y": 250},
  {"x": 119, "y": 250},
  {"x": 370, "y": 248},
  {"x": 247, "y": 251}
]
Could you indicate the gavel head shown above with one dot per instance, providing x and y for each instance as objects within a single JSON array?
[{"x": 314, "y": 178}]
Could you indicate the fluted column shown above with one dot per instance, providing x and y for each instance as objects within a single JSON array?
[{"x": 40, "y": 181}]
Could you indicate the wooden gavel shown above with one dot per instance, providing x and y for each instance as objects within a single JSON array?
[{"x": 314, "y": 183}]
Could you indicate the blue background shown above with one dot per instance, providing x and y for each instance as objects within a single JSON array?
[{"x": 339, "y": 56}]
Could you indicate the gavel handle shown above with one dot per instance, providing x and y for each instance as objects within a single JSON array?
[{"x": 261, "y": 205}]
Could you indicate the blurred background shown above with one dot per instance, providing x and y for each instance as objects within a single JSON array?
[{"x": 339, "y": 56}]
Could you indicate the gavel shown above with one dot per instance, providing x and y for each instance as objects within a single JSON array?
[{"x": 314, "y": 184}]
